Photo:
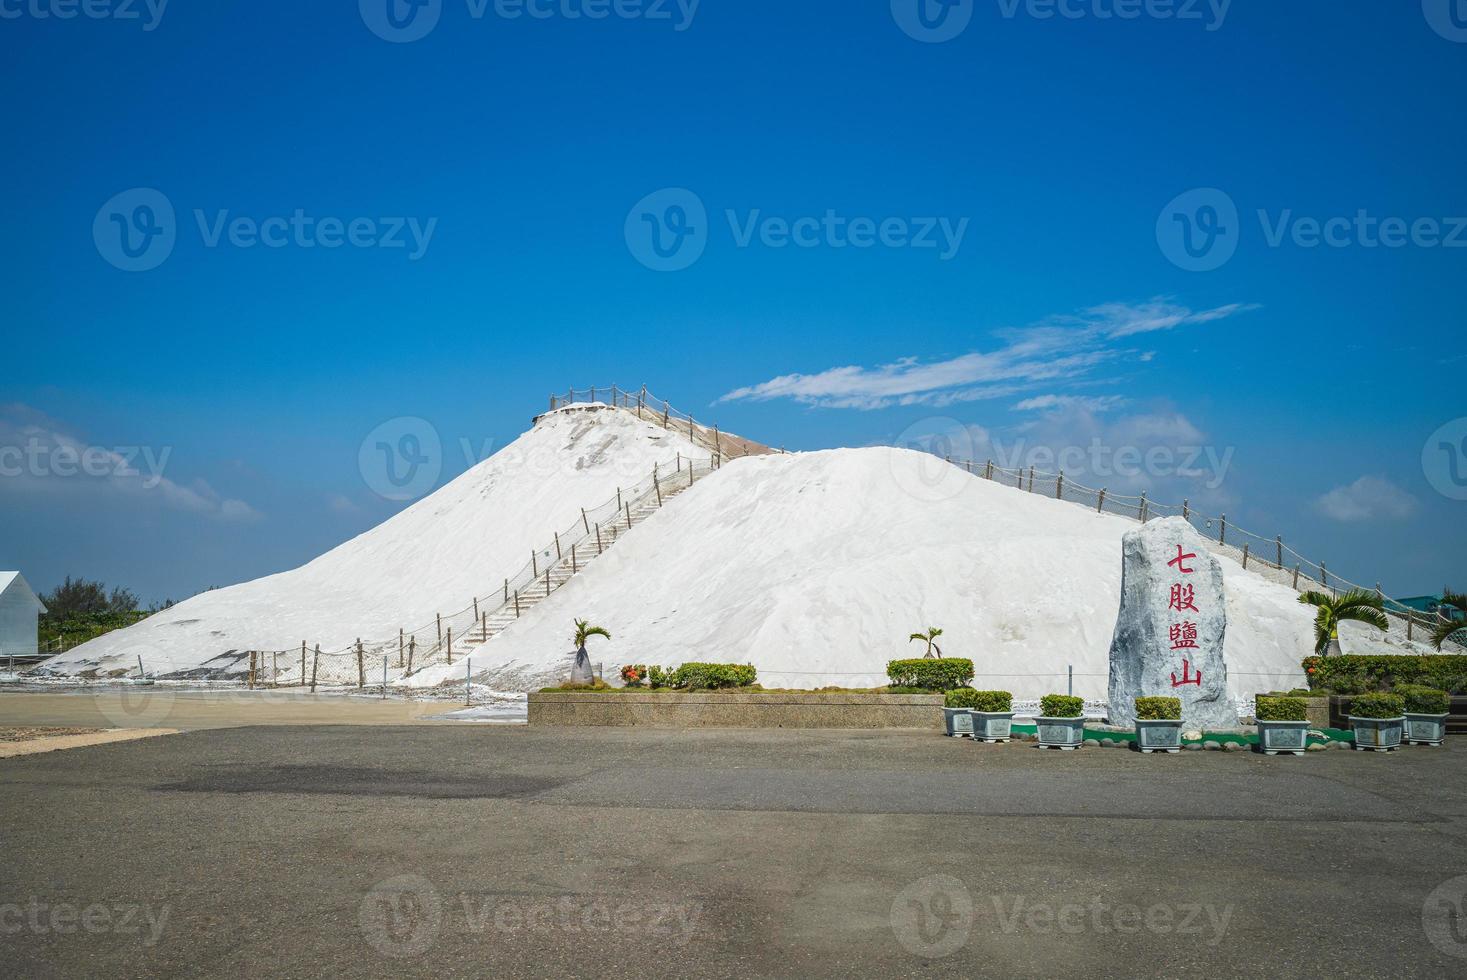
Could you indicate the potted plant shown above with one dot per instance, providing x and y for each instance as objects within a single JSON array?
[
  {"x": 633, "y": 675},
  {"x": 1159, "y": 724},
  {"x": 1283, "y": 725},
  {"x": 1379, "y": 721},
  {"x": 1061, "y": 722},
  {"x": 1357, "y": 605},
  {"x": 957, "y": 711},
  {"x": 993, "y": 717},
  {"x": 1426, "y": 713},
  {"x": 581, "y": 672},
  {"x": 929, "y": 638}
]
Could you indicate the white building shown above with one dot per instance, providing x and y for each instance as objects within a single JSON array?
[{"x": 19, "y": 608}]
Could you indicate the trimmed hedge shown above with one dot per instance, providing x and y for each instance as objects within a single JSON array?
[
  {"x": 711, "y": 677},
  {"x": 961, "y": 697},
  {"x": 993, "y": 701},
  {"x": 1378, "y": 706},
  {"x": 1061, "y": 706},
  {"x": 931, "y": 675},
  {"x": 1158, "y": 709},
  {"x": 1281, "y": 709},
  {"x": 658, "y": 676},
  {"x": 1364, "y": 674},
  {"x": 1421, "y": 700}
]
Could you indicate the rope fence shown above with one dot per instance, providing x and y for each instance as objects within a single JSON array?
[{"x": 1267, "y": 556}]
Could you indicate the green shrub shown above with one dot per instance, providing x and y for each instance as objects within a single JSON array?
[
  {"x": 1378, "y": 706},
  {"x": 993, "y": 701},
  {"x": 1301, "y": 692},
  {"x": 961, "y": 697},
  {"x": 1364, "y": 674},
  {"x": 711, "y": 677},
  {"x": 931, "y": 675},
  {"x": 1158, "y": 709},
  {"x": 1061, "y": 706},
  {"x": 659, "y": 676},
  {"x": 1281, "y": 709},
  {"x": 1422, "y": 700}
]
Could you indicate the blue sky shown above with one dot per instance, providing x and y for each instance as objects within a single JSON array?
[{"x": 1042, "y": 231}]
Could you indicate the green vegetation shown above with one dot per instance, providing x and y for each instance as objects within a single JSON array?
[
  {"x": 1281, "y": 709},
  {"x": 584, "y": 631},
  {"x": 930, "y": 638},
  {"x": 1061, "y": 706},
  {"x": 1357, "y": 605},
  {"x": 1365, "y": 674},
  {"x": 932, "y": 676},
  {"x": 1158, "y": 709},
  {"x": 711, "y": 677},
  {"x": 79, "y": 610},
  {"x": 1378, "y": 706},
  {"x": 993, "y": 701},
  {"x": 1422, "y": 700},
  {"x": 960, "y": 697},
  {"x": 1453, "y": 629}
]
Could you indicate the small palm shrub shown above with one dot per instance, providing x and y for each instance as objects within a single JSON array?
[
  {"x": 1281, "y": 709},
  {"x": 1378, "y": 706},
  {"x": 929, "y": 638},
  {"x": 1061, "y": 706},
  {"x": 1158, "y": 709},
  {"x": 1422, "y": 700},
  {"x": 1357, "y": 605}
]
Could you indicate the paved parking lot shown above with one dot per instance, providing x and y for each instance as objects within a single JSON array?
[{"x": 494, "y": 851}]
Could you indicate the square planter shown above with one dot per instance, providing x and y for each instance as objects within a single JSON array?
[
  {"x": 1425, "y": 729},
  {"x": 1162, "y": 735},
  {"x": 1061, "y": 733},
  {"x": 1283, "y": 737},
  {"x": 993, "y": 726},
  {"x": 959, "y": 722},
  {"x": 1378, "y": 734}
]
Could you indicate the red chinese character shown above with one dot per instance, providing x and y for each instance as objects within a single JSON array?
[
  {"x": 1184, "y": 597},
  {"x": 1187, "y": 676},
  {"x": 1184, "y": 635},
  {"x": 1177, "y": 561}
]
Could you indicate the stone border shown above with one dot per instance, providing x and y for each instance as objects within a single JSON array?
[
  {"x": 742, "y": 709},
  {"x": 53, "y": 743}
]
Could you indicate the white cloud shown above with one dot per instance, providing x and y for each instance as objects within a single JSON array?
[
  {"x": 1057, "y": 349},
  {"x": 1368, "y": 498},
  {"x": 38, "y": 454},
  {"x": 1043, "y": 403},
  {"x": 342, "y": 504}
]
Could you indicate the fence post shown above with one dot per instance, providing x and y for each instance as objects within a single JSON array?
[
  {"x": 717, "y": 450},
  {"x": 315, "y": 665},
  {"x": 1070, "y": 684},
  {"x": 1246, "y": 546},
  {"x": 484, "y": 627},
  {"x": 1031, "y": 479},
  {"x": 618, "y": 498},
  {"x": 303, "y": 663},
  {"x": 506, "y": 590},
  {"x": 438, "y": 617},
  {"x": 629, "y": 516},
  {"x": 584, "y": 522},
  {"x": 1296, "y": 578},
  {"x": 599, "y": 547},
  {"x": 399, "y": 646},
  {"x": 557, "y": 546},
  {"x": 476, "y": 607},
  {"x": 656, "y": 486},
  {"x": 574, "y": 567},
  {"x": 1145, "y": 505},
  {"x": 1410, "y": 622},
  {"x": 1059, "y": 486},
  {"x": 384, "y": 678},
  {"x": 1186, "y": 509},
  {"x": 361, "y": 666},
  {"x": 664, "y": 414},
  {"x": 1279, "y": 540},
  {"x": 516, "y": 603},
  {"x": 1020, "y": 484},
  {"x": 412, "y": 649},
  {"x": 449, "y": 648},
  {"x": 988, "y": 470},
  {"x": 252, "y": 670},
  {"x": 1100, "y": 507},
  {"x": 1323, "y": 575},
  {"x": 534, "y": 566},
  {"x": 1222, "y": 533}
]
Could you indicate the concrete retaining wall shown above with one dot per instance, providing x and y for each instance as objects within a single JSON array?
[{"x": 748, "y": 709}]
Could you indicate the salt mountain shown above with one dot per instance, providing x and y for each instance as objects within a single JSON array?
[{"x": 814, "y": 567}]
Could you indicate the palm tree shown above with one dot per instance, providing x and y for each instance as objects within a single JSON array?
[
  {"x": 581, "y": 673},
  {"x": 930, "y": 638},
  {"x": 1357, "y": 605},
  {"x": 1446, "y": 628}
]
